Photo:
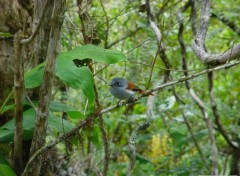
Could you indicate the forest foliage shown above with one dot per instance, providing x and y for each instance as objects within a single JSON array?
[{"x": 193, "y": 126}]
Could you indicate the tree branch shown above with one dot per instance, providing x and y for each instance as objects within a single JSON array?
[
  {"x": 199, "y": 42},
  {"x": 192, "y": 93},
  {"x": 89, "y": 119}
]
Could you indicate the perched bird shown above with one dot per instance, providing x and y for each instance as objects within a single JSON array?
[{"x": 121, "y": 89}]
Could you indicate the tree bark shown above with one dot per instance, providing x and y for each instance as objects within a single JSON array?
[
  {"x": 46, "y": 89},
  {"x": 199, "y": 42},
  {"x": 19, "y": 90}
]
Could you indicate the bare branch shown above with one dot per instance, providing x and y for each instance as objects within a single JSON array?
[
  {"x": 199, "y": 42},
  {"x": 185, "y": 78},
  {"x": 151, "y": 99}
]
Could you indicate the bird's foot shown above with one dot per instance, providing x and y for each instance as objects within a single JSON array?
[
  {"x": 131, "y": 100},
  {"x": 120, "y": 103}
]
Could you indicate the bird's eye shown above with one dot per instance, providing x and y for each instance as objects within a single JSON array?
[{"x": 117, "y": 83}]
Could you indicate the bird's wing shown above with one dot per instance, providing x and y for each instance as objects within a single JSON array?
[{"x": 135, "y": 88}]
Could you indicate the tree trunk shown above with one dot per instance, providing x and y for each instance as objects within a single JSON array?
[{"x": 46, "y": 89}]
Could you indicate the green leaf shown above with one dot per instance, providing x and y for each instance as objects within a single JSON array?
[
  {"x": 139, "y": 157},
  {"x": 6, "y": 170},
  {"x": 34, "y": 78},
  {"x": 5, "y": 34},
  {"x": 94, "y": 137},
  {"x": 77, "y": 78},
  {"x": 28, "y": 121},
  {"x": 7, "y": 130},
  {"x": 61, "y": 125},
  {"x": 60, "y": 107},
  {"x": 3, "y": 159},
  {"x": 95, "y": 53},
  {"x": 8, "y": 107},
  {"x": 75, "y": 115},
  {"x": 6, "y": 136}
]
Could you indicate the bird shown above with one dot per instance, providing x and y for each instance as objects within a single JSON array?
[{"x": 122, "y": 89}]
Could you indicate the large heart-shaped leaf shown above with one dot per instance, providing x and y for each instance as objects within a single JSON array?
[
  {"x": 95, "y": 53},
  {"x": 76, "y": 77}
]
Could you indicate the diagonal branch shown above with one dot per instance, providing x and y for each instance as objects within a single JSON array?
[
  {"x": 199, "y": 41},
  {"x": 88, "y": 120}
]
